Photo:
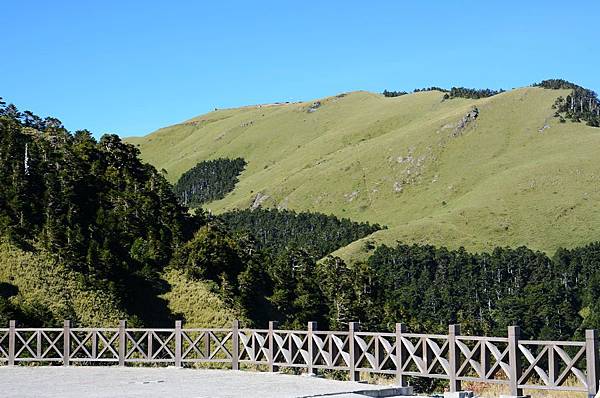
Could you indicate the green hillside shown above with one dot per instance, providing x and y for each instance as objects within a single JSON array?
[
  {"x": 512, "y": 176},
  {"x": 42, "y": 288},
  {"x": 87, "y": 233}
]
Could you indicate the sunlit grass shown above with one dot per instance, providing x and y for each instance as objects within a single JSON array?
[
  {"x": 195, "y": 303},
  {"x": 48, "y": 288},
  {"x": 400, "y": 162}
]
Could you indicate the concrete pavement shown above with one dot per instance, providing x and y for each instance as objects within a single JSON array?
[{"x": 115, "y": 382}]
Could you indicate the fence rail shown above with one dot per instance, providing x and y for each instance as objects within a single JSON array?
[{"x": 519, "y": 364}]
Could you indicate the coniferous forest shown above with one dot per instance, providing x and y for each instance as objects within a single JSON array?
[
  {"x": 472, "y": 93},
  {"x": 581, "y": 105},
  {"x": 93, "y": 204},
  {"x": 207, "y": 181},
  {"x": 454, "y": 92},
  {"x": 278, "y": 230},
  {"x": 387, "y": 93},
  {"x": 118, "y": 224}
]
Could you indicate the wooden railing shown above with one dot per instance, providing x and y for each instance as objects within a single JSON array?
[{"x": 519, "y": 364}]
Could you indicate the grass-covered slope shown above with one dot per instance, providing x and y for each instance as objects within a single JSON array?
[
  {"x": 38, "y": 286},
  {"x": 195, "y": 303},
  {"x": 87, "y": 232},
  {"x": 41, "y": 287},
  {"x": 511, "y": 176}
]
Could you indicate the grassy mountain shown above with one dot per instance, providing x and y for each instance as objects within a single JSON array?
[
  {"x": 432, "y": 170},
  {"x": 92, "y": 234}
]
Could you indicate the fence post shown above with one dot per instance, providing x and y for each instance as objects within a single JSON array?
[
  {"x": 514, "y": 360},
  {"x": 352, "y": 328},
  {"x": 178, "y": 344},
  {"x": 400, "y": 351},
  {"x": 11, "y": 342},
  {"x": 453, "y": 357},
  {"x": 235, "y": 342},
  {"x": 206, "y": 338},
  {"x": 122, "y": 341},
  {"x": 272, "y": 327},
  {"x": 66, "y": 342},
  {"x": 312, "y": 326},
  {"x": 592, "y": 361}
]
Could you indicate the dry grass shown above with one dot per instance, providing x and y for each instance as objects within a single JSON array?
[
  {"x": 484, "y": 390},
  {"x": 495, "y": 390}
]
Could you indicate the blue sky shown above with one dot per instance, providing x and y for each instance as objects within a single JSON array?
[{"x": 130, "y": 67}]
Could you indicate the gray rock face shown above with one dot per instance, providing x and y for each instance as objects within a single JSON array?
[
  {"x": 315, "y": 105},
  {"x": 258, "y": 200},
  {"x": 465, "y": 121}
]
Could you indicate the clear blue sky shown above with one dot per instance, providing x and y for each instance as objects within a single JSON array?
[{"x": 130, "y": 67}]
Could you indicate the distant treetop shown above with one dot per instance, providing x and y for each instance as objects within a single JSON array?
[
  {"x": 432, "y": 88},
  {"x": 582, "y": 104},
  {"x": 472, "y": 93},
  {"x": 556, "y": 84},
  {"x": 27, "y": 118},
  {"x": 387, "y": 93},
  {"x": 454, "y": 92},
  {"x": 209, "y": 180}
]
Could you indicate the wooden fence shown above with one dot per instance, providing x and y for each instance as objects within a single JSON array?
[{"x": 519, "y": 364}]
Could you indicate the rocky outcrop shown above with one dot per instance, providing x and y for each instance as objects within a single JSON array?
[
  {"x": 258, "y": 200},
  {"x": 314, "y": 106},
  {"x": 465, "y": 121}
]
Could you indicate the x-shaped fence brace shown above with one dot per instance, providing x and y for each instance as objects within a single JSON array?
[
  {"x": 487, "y": 358},
  {"x": 215, "y": 347},
  {"x": 292, "y": 346},
  {"x": 32, "y": 344},
  {"x": 3, "y": 345},
  {"x": 547, "y": 364},
  {"x": 144, "y": 345},
  {"x": 90, "y": 345},
  {"x": 420, "y": 355},
  {"x": 370, "y": 354},
  {"x": 331, "y": 348},
  {"x": 191, "y": 345},
  {"x": 255, "y": 347}
]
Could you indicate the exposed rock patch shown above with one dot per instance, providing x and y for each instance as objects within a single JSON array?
[
  {"x": 351, "y": 196},
  {"x": 258, "y": 200},
  {"x": 465, "y": 121},
  {"x": 314, "y": 106}
]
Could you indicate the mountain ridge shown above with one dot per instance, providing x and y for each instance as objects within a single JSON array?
[{"x": 417, "y": 163}]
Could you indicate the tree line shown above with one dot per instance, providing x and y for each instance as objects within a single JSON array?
[
  {"x": 278, "y": 230},
  {"x": 117, "y": 223},
  {"x": 472, "y": 93},
  {"x": 422, "y": 286},
  {"x": 387, "y": 93},
  {"x": 581, "y": 105},
  {"x": 454, "y": 92},
  {"x": 209, "y": 180},
  {"x": 91, "y": 203}
]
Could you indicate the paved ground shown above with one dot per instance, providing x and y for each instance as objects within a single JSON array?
[{"x": 114, "y": 382}]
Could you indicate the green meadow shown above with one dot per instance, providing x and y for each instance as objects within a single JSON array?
[{"x": 512, "y": 176}]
